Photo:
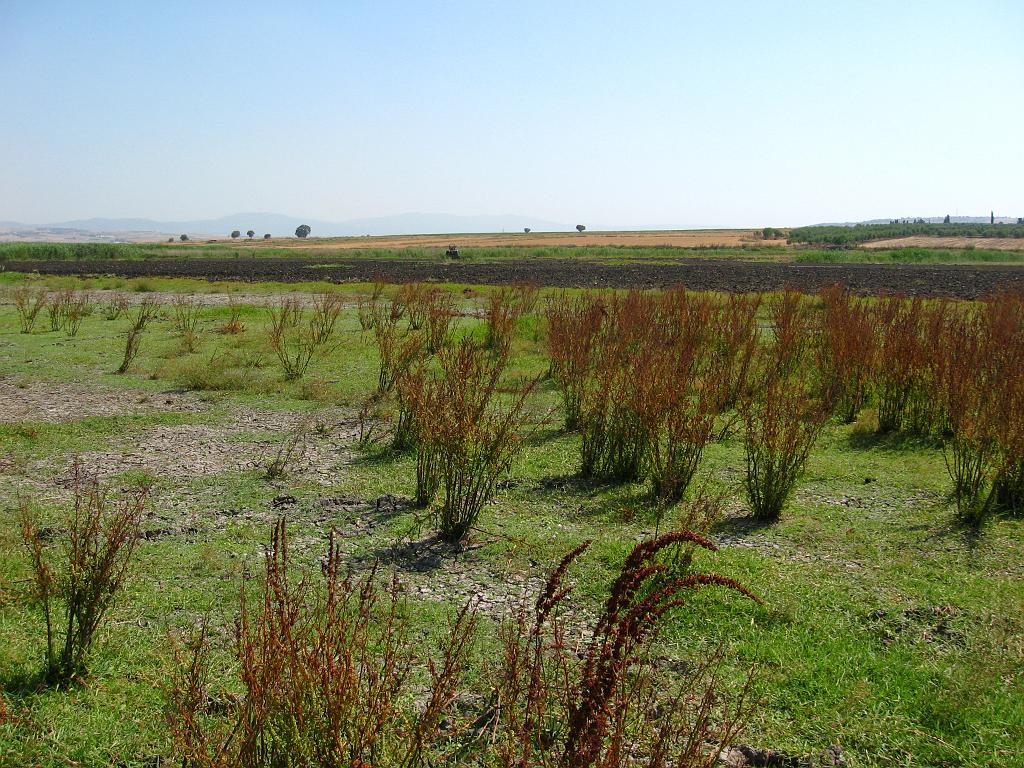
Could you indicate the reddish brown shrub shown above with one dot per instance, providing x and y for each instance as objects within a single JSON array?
[
  {"x": 682, "y": 394},
  {"x": 414, "y": 298},
  {"x": 790, "y": 316},
  {"x": 899, "y": 323},
  {"x": 145, "y": 311},
  {"x": 605, "y": 704},
  {"x": 981, "y": 392},
  {"x": 782, "y": 418},
  {"x": 468, "y": 435},
  {"x": 327, "y": 673},
  {"x": 846, "y": 351},
  {"x": 117, "y": 305},
  {"x": 234, "y": 321},
  {"x": 396, "y": 349},
  {"x": 368, "y": 308},
  {"x": 616, "y": 428},
  {"x": 735, "y": 340},
  {"x": 78, "y": 588},
  {"x": 29, "y": 303},
  {"x": 573, "y": 326},
  {"x": 297, "y": 343},
  {"x": 503, "y": 307},
  {"x": 440, "y": 315}
]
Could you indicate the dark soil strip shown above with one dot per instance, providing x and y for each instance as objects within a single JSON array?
[{"x": 954, "y": 281}]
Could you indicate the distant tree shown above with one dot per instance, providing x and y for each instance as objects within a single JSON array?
[
  {"x": 992, "y": 217},
  {"x": 266, "y": 236},
  {"x": 580, "y": 228},
  {"x": 303, "y": 230},
  {"x": 251, "y": 233},
  {"x": 1020, "y": 220},
  {"x": 526, "y": 230},
  {"x": 946, "y": 220},
  {"x": 170, "y": 239},
  {"x": 235, "y": 234},
  {"x": 184, "y": 238}
]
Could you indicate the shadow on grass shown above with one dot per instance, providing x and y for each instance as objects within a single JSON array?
[
  {"x": 741, "y": 526},
  {"x": 421, "y": 556},
  {"x": 23, "y": 683},
  {"x": 865, "y": 439},
  {"x": 381, "y": 456},
  {"x": 575, "y": 483},
  {"x": 625, "y": 501},
  {"x": 547, "y": 434}
]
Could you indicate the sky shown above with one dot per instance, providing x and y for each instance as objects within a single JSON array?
[{"x": 667, "y": 114}]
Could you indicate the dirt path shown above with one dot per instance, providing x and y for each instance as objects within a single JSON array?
[{"x": 954, "y": 281}]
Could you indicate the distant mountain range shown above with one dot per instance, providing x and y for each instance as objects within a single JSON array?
[{"x": 280, "y": 225}]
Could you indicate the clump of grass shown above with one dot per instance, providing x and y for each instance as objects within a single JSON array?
[
  {"x": 117, "y": 305},
  {"x": 368, "y": 307},
  {"x": 186, "y": 320},
  {"x": 224, "y": 371},
  {"x": 234, "y": 322},
  {"x": 78, "y": 588},
  {"x": 290, "y": 450}
]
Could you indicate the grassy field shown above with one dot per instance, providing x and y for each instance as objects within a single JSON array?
[
  {"x": 887, "y": 628},
  {"x": 913, "y": 255},
  {"x": 478, "y": 251}
]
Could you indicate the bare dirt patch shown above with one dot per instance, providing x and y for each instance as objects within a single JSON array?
[
  {"x": 68, "y": 401},
  {"x": 251, "y": 440}
]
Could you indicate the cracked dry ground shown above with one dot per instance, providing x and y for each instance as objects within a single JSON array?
[{"x": 191, "y": 464}]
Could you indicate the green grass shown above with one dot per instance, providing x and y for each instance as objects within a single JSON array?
[{"x": 870, "y": 529}]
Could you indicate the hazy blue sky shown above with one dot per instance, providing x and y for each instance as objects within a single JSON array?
[{"x": 672, "y": 114}]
